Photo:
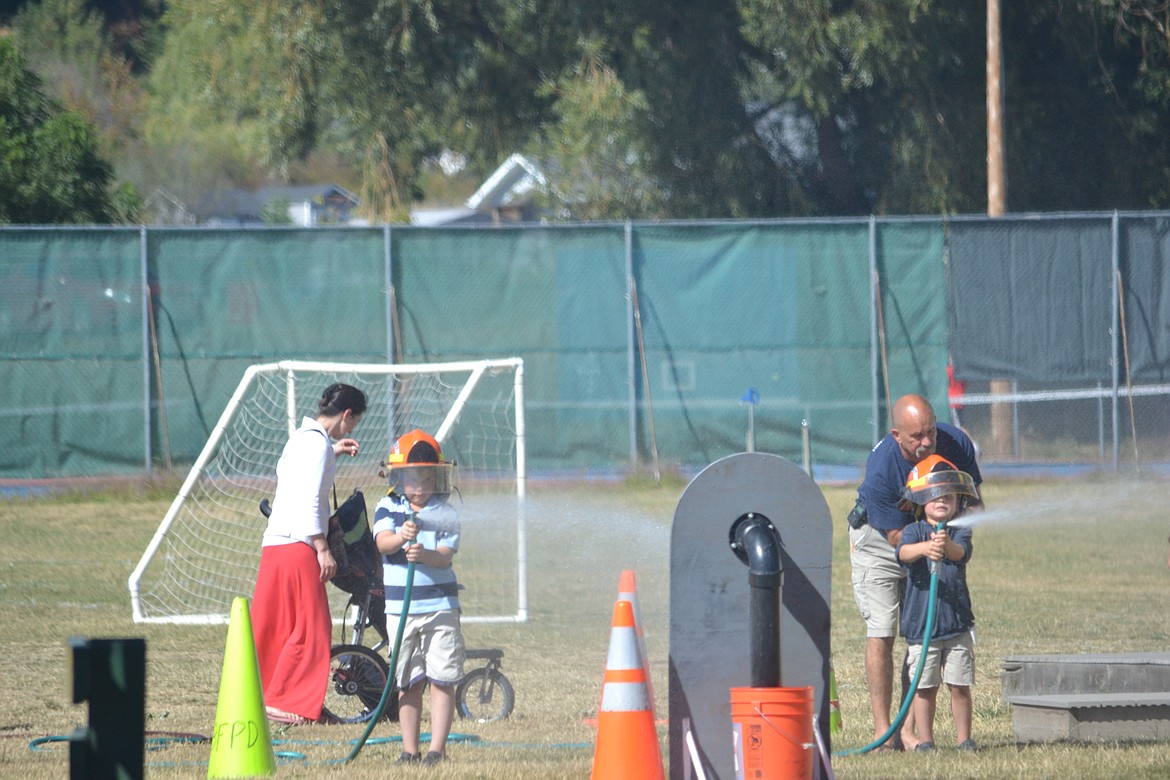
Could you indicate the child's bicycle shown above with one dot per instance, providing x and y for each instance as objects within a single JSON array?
[{"x": 357, "y": 673}]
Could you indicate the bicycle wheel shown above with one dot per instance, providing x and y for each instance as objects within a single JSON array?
[
  {"x": 357, "y": 677},
  {"x": 484, "y": 695}
]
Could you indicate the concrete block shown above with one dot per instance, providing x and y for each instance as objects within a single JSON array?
[
  {"x": 1091, "y": 673},
  {"x": 1138, "y": 717}
]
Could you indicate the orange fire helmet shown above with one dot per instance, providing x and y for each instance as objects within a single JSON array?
[
  {"x": 936, "y": 476},
  {"x": 417, "y": 452}
]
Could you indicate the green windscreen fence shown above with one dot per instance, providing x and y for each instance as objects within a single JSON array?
[
  {"x": 224, "y": 300},
  {"x": 677, "y": 343},
  {"x": 1056, "y": 287},
  {"x": 71, "y": 338},
  {"x": 555, "y": 297},
  {"x": 1062, "y": 326},
  {"x": 1145, "y": 271},
  {"x": 784, "y": 311}
]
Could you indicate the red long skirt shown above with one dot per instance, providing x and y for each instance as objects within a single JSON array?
[{"x": 292, "y": 628}]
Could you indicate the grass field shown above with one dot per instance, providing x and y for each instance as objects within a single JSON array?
[{"x": 1058, "y": 568}]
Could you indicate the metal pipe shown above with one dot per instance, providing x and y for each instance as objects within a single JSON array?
[
  {"x": 759, "y": 542},
  {"x": 806, "y": 446}
]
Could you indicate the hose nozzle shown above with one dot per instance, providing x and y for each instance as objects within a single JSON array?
[{"x": 938, "y": 527}]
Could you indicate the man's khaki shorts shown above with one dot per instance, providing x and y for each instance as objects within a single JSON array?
[
  {"x": 955, "y": 657},
  {"x": 878, "y": 581}
]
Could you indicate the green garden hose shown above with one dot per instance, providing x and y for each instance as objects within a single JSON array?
[
  {"x": 386, "y": 693},
  {"x": 905, "y": 708}
]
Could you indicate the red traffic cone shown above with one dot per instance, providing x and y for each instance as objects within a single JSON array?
[{"x": 627, "y": 740}]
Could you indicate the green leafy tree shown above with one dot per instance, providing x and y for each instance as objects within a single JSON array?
[
  {"x": 387, "y": 84},
  {"x": 203, "y": 118},
  {"x": 1087, "y": 106},
  {"x": 69, "y": 46},
  {"x": 681, "y": 108},
  {"x": 416, "y": 77},
  {"x": 594, "y": 164},
  {"x": 50, "y": 168}
]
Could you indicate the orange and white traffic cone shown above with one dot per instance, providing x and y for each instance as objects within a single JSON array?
[
  {"x": 627, "y": 739},
  {"x": 628, "y": 591}
]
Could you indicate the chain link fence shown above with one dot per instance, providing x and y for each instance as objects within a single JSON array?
[
  {"x": 663, "y": 346},
  {"x": 1060, "y": 334}
]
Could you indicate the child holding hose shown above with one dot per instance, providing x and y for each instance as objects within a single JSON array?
[
  {"x": 417, "y": 532},
  {"x": 940, "y": 492}
]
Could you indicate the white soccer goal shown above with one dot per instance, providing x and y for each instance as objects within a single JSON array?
[{"x": 207, "y": 549}]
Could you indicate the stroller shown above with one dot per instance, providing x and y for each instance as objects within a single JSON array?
[
  {"x": 359, "y": 569},
  {"x": 358, "y": 674}
]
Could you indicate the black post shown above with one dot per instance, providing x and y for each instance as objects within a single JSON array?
[
  {"x": 111, "y": 675},
  {"x": 756, "y": 541}
]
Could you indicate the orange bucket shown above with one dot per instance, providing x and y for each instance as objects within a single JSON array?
[{"x": 772, "y": 729}]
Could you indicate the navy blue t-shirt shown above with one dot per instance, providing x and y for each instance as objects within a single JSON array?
[
  {"x": 953, "y": 614},
  {"x": 886, "y": 471}
]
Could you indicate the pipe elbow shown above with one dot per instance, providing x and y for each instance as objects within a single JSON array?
[{"x": 759, "y": 542}]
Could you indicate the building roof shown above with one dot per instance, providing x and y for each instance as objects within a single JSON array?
[
  {"x": 456, "y": 215},
  {"x": 301, "y": 193},
  {"x": 244, "y": 207},
  {"x": 510, "y": 185}
]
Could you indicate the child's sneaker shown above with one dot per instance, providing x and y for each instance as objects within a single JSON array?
[
  {"x": 432, "y": 758},
  {"x": 408, "y": 758}
]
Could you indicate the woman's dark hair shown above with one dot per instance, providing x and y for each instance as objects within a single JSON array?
[{"x": 338, "y": 397}]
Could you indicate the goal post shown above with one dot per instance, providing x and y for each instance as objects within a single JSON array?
[{"x": 206, "y": 550}]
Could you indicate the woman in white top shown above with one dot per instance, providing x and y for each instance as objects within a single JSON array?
[{"x": 291, "y": 623}]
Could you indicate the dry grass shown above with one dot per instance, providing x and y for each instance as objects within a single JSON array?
[{"x": 1075, "y": 570}]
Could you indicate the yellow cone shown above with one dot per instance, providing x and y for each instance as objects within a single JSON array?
[
  {"x": 241, "y": 745},
  {"x": 835, "y": 724}
]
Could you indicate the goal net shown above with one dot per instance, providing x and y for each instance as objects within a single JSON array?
[{"x": 206, "y": 550}]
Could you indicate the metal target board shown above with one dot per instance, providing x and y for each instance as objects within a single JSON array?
[{"x": 710, "y": 629}]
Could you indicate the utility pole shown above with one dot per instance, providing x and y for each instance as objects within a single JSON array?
[
  {"x": 996, "y": 184},
  {"x": 1001, "y": 412}
]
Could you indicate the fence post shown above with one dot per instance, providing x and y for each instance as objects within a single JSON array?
[
  {"x": 1115, "y": 300},
  {"x": 393, "y": 338},
  {"x": 631, "y": 359},
  {"x": 874, "y": 303},
  {"x": 144, "y": 268}
]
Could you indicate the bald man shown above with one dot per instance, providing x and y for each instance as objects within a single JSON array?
[{"x": 876, "y": 525}]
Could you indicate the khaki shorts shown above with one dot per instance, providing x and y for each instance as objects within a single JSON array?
[
  {"x": 878, "y": 580},
  {"x": 432, "y": 648},
  {"x": 955, "y": 657}
]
